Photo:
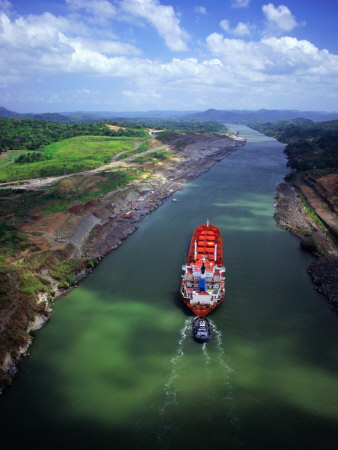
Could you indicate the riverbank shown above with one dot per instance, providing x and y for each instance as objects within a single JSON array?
[
  {"x": 63, "y": 245},
  {"x": 307, "y": 207},
  {"x": 307, "y": 203}
]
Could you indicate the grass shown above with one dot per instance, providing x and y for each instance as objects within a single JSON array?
[
  {"x": 145, "y": 146},
  {"x": 311, "y": 213},
  {"x": 69, "y": 156},
  {"x": 9, "y": 156},
  {"x": 161, "y": 155}
]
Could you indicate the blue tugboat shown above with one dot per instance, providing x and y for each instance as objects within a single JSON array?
[{"x": 201, "y": 329}]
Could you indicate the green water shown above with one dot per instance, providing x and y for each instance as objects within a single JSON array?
[{"x": 116, "y": 367}]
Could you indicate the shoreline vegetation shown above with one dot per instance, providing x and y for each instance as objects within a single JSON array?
[
  {"x": 61, "y": 215},
  {"x": 307, "y": 202},
  {"x": 56, "y": 228}
]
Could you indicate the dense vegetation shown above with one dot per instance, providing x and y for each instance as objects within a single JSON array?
[
  {"x": 39, "y": 148},
  {"x": 182, "y": 126},
  {"x": 311, "y": 146},
  {"x": 30, "y": 157},
  {"x": 34, "y": 134}
]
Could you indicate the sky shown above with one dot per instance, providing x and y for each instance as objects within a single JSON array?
[{"x": 140, "y": 55}]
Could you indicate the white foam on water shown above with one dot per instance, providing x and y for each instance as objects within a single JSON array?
[
  {"x": 205, "y": 353},
  {"x": 221, "y": 355}
]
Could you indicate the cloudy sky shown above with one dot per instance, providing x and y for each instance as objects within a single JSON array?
[{"x": 124, "y": 55}]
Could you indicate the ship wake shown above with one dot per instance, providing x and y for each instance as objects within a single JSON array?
[{"x": 226, "y": 370}]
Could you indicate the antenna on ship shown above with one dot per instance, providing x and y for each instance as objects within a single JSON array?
[{"x": 207, "y": 222}]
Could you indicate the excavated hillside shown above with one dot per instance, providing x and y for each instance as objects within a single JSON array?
[
  {"x": 308, "y": 208},
  {"x": 56, "y": 230}
]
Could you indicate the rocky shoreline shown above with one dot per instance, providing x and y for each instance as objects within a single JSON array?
[
  {"x": 314, "y": 234},
  {"x": 109, "y": 234},
  {"x": 110, "y": 220}
]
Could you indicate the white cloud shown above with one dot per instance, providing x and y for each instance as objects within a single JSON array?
[
  {"x": 46, "y": 35},
  {"x": 162, "y": 17},
  {"x": 240, "y": 30},
  {"x": 200, "y": 10},
  {"x": 280, "y": 17},
  {"x": 272, "y": 57},
  {"x": 86, "y": 92},
  {"x": 38, "y": 46},
  {"x": 225, "y": 24},
  {"x": 5, "y": 6},
  {"x": 104, "y": 46},
  {"x": 240, "y": 3},
  {"x": 99, "y": 8},
  {"x": 141, "y": 96}
]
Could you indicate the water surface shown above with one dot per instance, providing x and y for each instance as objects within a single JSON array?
[{"x": 116, "y": 367}]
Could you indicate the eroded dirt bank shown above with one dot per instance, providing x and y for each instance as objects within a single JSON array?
[
  {"x": 64, "y": 246},
  {"x": 308, "y": 208}
]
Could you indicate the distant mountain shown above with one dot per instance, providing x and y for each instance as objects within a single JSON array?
[
  {"x": 267, "y": 115},
  {"x": 230, "y": 116},
  {"x": 94, "y": 116},
  {"x": 48, "y": 117},
  {"x": 6, "y": 113}
]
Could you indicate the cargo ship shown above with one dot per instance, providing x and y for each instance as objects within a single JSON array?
[{"x": 203, "y": 279}]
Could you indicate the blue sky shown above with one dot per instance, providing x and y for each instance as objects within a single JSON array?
[{"x": 137, "y": 55}]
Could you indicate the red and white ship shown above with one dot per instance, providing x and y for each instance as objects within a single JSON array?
[{"x": 203, "y": 280}]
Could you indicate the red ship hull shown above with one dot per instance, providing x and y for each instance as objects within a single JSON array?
[{"x": 203, "y": 281}]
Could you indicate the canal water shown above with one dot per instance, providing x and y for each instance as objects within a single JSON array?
[{"x": 116, "y": 367}]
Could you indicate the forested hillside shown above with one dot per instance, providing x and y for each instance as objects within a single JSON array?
[
  {"x": 33, "y": 134},
  {"x": 311, "y": 146},
  {"x": 243, "y": 116}
]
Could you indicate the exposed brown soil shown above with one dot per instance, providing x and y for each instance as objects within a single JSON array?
[
  {"x": 322, "y": 195},
  {"x": 114, "y": 127},
  {"x": 88, "y": 231},
  {"x": 319, "y": 238}
]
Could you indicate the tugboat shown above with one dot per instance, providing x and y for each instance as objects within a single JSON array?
[
  {"x": 203, "y": 279},
  {"x": 201, "y": 329}
]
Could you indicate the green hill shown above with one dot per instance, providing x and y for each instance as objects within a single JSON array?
[{"x": 68, "y": 156}]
